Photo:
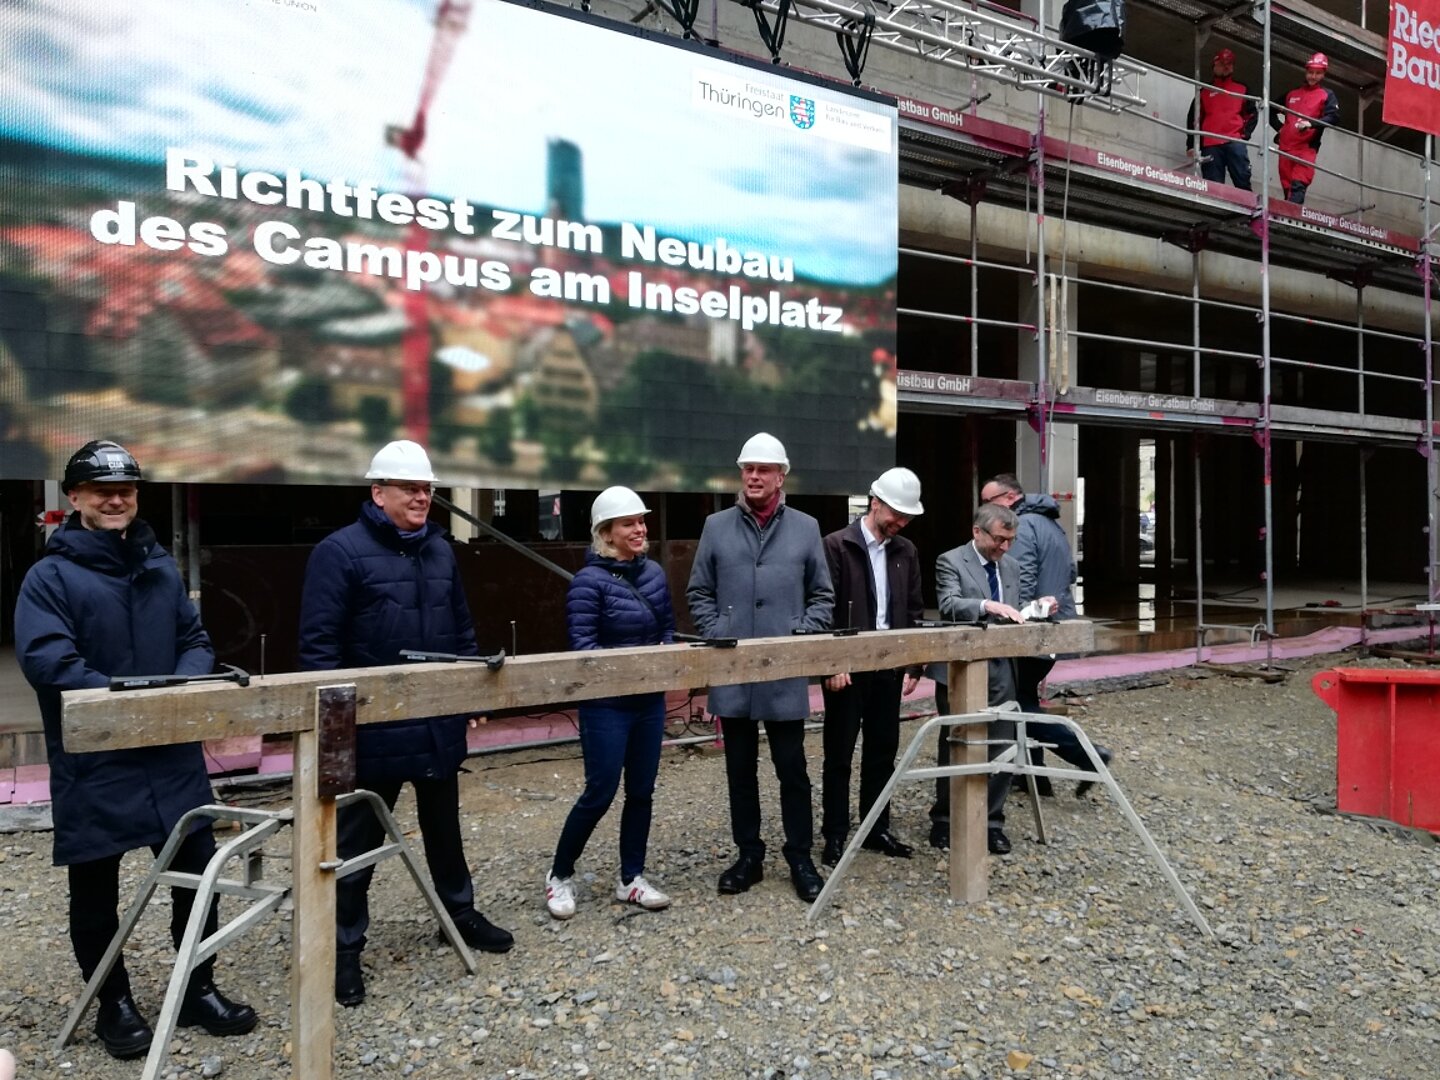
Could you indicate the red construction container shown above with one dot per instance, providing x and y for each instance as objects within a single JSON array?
[{"x": 1387, "y": 761}]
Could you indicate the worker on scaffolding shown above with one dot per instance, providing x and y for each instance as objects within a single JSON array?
[
  {"x": 1227, "y": 119},
  {"x": 108, "y": 600},
  {"x": 1300, "y": 124}
]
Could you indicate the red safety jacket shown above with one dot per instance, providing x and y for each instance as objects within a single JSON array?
[
  {"x": 1318, "y": 103},
  {"x": 1223, "y": 117}
]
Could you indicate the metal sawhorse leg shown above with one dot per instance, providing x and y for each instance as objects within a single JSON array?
[
  {"x": 1015, "y": 759},
  {"x": 396, "y": 845},
  {"x": 264, "y": 898}
]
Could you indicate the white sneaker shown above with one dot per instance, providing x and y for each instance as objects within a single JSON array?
[
  {"x": 560, "y": 896},
  {"x": 641, "y": 892}
]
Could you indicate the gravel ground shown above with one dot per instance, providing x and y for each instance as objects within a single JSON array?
[{"x": 1080, "y": 964}]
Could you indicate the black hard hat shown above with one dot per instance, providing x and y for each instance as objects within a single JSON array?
[{"x": 100, "y": 461}]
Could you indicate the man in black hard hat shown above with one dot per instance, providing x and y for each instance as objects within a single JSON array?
[{"x": 106, "y": 599}]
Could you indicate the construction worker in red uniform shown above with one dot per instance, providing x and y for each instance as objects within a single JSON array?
[
  {"x": 1227, "y": 119},
  {"x": 1300, "y": 123}
]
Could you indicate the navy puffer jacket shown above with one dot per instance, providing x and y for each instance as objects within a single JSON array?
[
  {"x": 369, "y": 593},
  {"x": 603, "y": 612},
  {"x": 101, "y": 604}
]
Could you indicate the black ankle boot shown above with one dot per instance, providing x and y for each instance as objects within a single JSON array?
[
  {"x": 806, "y": 879},
  {"x": 349, "y": 979},
  {"x": 205, "y": 1006},
  {"x": 122, "y": 1029},
  {"x": 746, "y": 871}
]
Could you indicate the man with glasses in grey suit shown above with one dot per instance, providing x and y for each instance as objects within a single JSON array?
[{"x": 976, "y": 583}]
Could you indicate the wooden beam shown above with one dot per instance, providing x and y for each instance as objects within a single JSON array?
[
  {"x": 102, "y": 720},
  {"x": 969, "y": 795},
  {"x": 312, "y": 883}
]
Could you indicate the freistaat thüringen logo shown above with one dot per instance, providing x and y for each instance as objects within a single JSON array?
[{"x": 802, "y": 112}]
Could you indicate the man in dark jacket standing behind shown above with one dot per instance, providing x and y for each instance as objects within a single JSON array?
[
  {"x": 760, "y": 572},
  {"x": 390, "y": 582},
  {"x": 876, "y": 574},
  {"x": 1047, "y": 568},
  {"x": 108, "y": 600}
]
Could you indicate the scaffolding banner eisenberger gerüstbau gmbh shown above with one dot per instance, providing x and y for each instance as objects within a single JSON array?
[{"x": 255, "y": 241}]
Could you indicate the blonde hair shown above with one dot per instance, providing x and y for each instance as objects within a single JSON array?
[
  {"x": 600, "y": 540},
  {"x": 602, "y": 545}
]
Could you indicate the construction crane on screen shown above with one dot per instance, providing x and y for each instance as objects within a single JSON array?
[{"x": 451, "y": 21}]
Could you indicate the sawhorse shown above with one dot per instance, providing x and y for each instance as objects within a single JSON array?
[
  {"x": 1015, "y": 759},
  {"x": 263, "y": 897}
]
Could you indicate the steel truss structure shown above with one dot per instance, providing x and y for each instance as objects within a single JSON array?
[{"x": 973, "y": 40}]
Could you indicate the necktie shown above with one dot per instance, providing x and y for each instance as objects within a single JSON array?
[{"x": 994, "y": 577}]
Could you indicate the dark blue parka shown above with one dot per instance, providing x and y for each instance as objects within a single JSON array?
[
  {"x": 100, "y": 604},
  {"x": 603, "y": 612},
  {"x": 369, "y": 593}
]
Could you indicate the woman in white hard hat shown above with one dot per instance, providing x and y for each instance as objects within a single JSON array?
[{"x": 619, "y": 599}]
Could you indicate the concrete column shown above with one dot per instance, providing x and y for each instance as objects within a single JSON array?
[
  {"x": 1064, "y": 439},
  {"x": 480, "y": 502}
]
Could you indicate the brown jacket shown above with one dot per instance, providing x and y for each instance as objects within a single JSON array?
[{"x": 855, "y": 585}]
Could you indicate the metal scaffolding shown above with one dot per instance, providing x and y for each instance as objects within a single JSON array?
[{"x": 1000, "y": 46}]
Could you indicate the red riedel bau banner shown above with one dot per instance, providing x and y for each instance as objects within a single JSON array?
[{"x": 1412, "y": 83}]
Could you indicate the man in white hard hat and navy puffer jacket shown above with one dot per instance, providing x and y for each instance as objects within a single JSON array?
[{"x": 387, "y": 583}]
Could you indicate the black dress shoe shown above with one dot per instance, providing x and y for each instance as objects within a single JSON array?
[
  {"x": 806, "y": 880},
  {"x": 833, "y": 850},
  {"x": 480, "y": 933},
  {"x": 998, "y": 842},
  {"x": 886, "y": 844},
  {"x": 940, "y": 836},
  {"x": 205, "y": 1006},
  {"x": 121, "y": 1028},
  {"x": 349, "y": 979},
  {"x": 1082, "y": 788},
  {"x": 745, "y": 871}
]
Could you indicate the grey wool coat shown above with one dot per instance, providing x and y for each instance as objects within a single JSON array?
[
  {"x": 961, "y": 585},
  {"x": 748, "y": 583}
]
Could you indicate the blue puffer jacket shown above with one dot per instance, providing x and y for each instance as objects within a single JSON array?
[
  {"x": 101, "y": 604},
  {"x": 603, "y": 612},
  {"x": 369, "y": 593}
]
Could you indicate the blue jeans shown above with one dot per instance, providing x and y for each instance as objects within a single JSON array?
[{"x": 622, "y": 734}]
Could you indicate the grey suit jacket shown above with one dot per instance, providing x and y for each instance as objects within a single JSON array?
[{"x": 962, "y": 586}]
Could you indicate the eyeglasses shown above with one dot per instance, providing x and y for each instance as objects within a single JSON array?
[
  {"x": 411, "y": 491},
  {"x": 1003, "y": 541}
]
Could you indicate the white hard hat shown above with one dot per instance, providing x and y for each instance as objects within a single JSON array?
[
  {"x": 401, "y": 460},
  {"x": 762, "y": 448},
  {"x": 615, "y": 502},
  {"x": 899, "y": 489}
]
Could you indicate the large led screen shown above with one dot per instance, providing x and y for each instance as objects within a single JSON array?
[{"x": 253, "y": 241}]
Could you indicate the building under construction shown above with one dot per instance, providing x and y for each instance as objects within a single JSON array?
[
  {"x": 1223, "y": 399},
  {"x": 1226, "y": 399}
]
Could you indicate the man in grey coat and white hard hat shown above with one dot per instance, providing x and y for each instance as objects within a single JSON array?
[{"x": 760, "y": 571}]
